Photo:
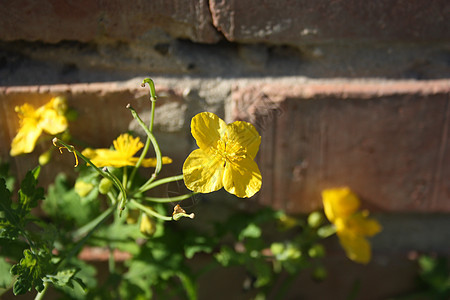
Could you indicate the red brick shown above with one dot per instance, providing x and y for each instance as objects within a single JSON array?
[
  {"x": 387, "y": 140},
  {"x": 52, "y": 21},
  {"x": 296, "y": 22}
]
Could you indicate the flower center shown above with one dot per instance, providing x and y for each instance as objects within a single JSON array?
[{"x": 229, "y": 150}]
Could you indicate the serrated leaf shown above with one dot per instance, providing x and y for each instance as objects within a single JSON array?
[
  {"x": 31, "y": 269},
  {"x": 8, "y": 215},
  {"x": 29, "y": 194}
]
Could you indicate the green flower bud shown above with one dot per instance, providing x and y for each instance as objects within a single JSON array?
[
  {"x": 45, "y": 157},
  {"x": 277, "y": 248},
  {"x": 105, "y": 186},
  {"x": 83, "y": 188},
  {"x": 315, "y": 219},
  {"x": 326, "y": 231},
  {"x": 316, "y": 251},
  {"x": 147, "y": 225}
]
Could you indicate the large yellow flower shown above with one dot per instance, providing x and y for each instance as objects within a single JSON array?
[
  {"x": 352, "y": 226},
  {"x": 225, "y": 157},
  {"x": 48, "y": 118},
  {"x": 125, "y": 147}
]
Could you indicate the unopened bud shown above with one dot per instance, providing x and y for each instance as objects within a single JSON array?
[
  {"x": 105, "y": 186},
  {"x": 45, "y": 157},
  {"x": 147, "y": 226}
]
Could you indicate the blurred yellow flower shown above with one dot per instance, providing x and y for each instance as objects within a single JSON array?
[
  {"x": 125, "y": 147},
  {"x": 225, "y": 157},
  {"x": 48, "y": 118},
  {"x": 352, "y": 226}
]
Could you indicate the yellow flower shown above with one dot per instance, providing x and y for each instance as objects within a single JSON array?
[
  {"x": 48, "y": 118},
  {"x": 125, "y": 147},
  {"x": 225, "y": 157},
  {"x": 352, "y": 226}
]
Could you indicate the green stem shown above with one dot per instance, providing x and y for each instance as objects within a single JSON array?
[
  {"x": 139, "y": 162},
  {"x": 170, "y": 199},
  {"x": 149, "y": 185},
  {"x": 90, "y": 227},
  {"x": 152, "y": 118},
  {"x": 108, "y": 175},
  {"x": 41, "y": 294},
  {"x": 149, "y": 211},
  {"x": 189, "y": 286},
  {"x": 152, "y": 139}
]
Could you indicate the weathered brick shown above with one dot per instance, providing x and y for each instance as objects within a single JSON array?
[
  {"x": 85, "y": 20},
  {"x": 387, "y": 140},
  {"x": 297, "y": 22}
]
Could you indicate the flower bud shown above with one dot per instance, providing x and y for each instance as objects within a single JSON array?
[
  {"x": 315, "y": 219},
  {"x": 83, "y": 188},
  {"x": 147, "y": 226},
  {"x": 45, "y": 157},
  {"x": 105, "y": 186}
]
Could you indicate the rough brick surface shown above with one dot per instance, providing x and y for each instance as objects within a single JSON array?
[
  {"x": 85, "y": 20},
  {"x": 296, "y": 22},
  {"x": 388, "y": 141}
]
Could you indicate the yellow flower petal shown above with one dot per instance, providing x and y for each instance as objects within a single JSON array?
[
  {"x": 51, "y": 122},
  {"x": 339, "y": 203},
  {"x": 25, "y": 140},
  {"x": 359, "y": 224},
  {"x": 207, "y": 129},
  {"x": 151, "y": 162},
  {"x": 203, "y": 172},
  {"x": 244, "y": 135},
  {"x": 33, "y": 122},
  {"x": 127, "y": 145},
  {"x": 243, "y": 179},
  {"x": 357, "y": 248}
]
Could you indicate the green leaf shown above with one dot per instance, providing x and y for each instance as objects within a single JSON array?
[
  {"x": 29, "y": 195},
  {"x": 66, "y": 207},
  {"x": 4, "y": 173},
  {"x": 9, "y": 221},
  {"x": 251, "y": 231},
  {"x": 31, "y": 269},
  {"x": 5, "y": 276}
]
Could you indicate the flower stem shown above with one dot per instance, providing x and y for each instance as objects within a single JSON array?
[
  {"x": 154, "y": 143},
  {"x": 87, "y": 229},
  {"x": 152, "y": 118},
  {"x": 169, "y": 199},
  {"x": 149, "y": 211},
  {"x": 108, "y": 175},
  {"x": 149, "y": 185},
  {"x": 41, "y": 294}
]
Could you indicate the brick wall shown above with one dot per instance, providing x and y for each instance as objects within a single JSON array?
[{"x": 343, "y": 92}]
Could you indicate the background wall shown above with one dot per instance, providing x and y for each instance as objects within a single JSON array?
[{"x": 343, "y": 93}]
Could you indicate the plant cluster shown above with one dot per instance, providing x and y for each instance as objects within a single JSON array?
[{"x": 109, "y": 206}]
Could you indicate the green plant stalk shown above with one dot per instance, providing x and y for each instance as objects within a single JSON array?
[
  {"x": 89, "y": 229},
  {"x": 189, "y": 286},
  {"x": 41, "y": 294},
  {"x": 152, "y": 118},
  {"x": 92, "y": 225},
  {"x": 108, "y": 175},
  {"x": 154, "y": 143},
  {"x": 149, "y": 185},
  {"x": 150, "y": 211},
  {"x": 169, "y": 199}
]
